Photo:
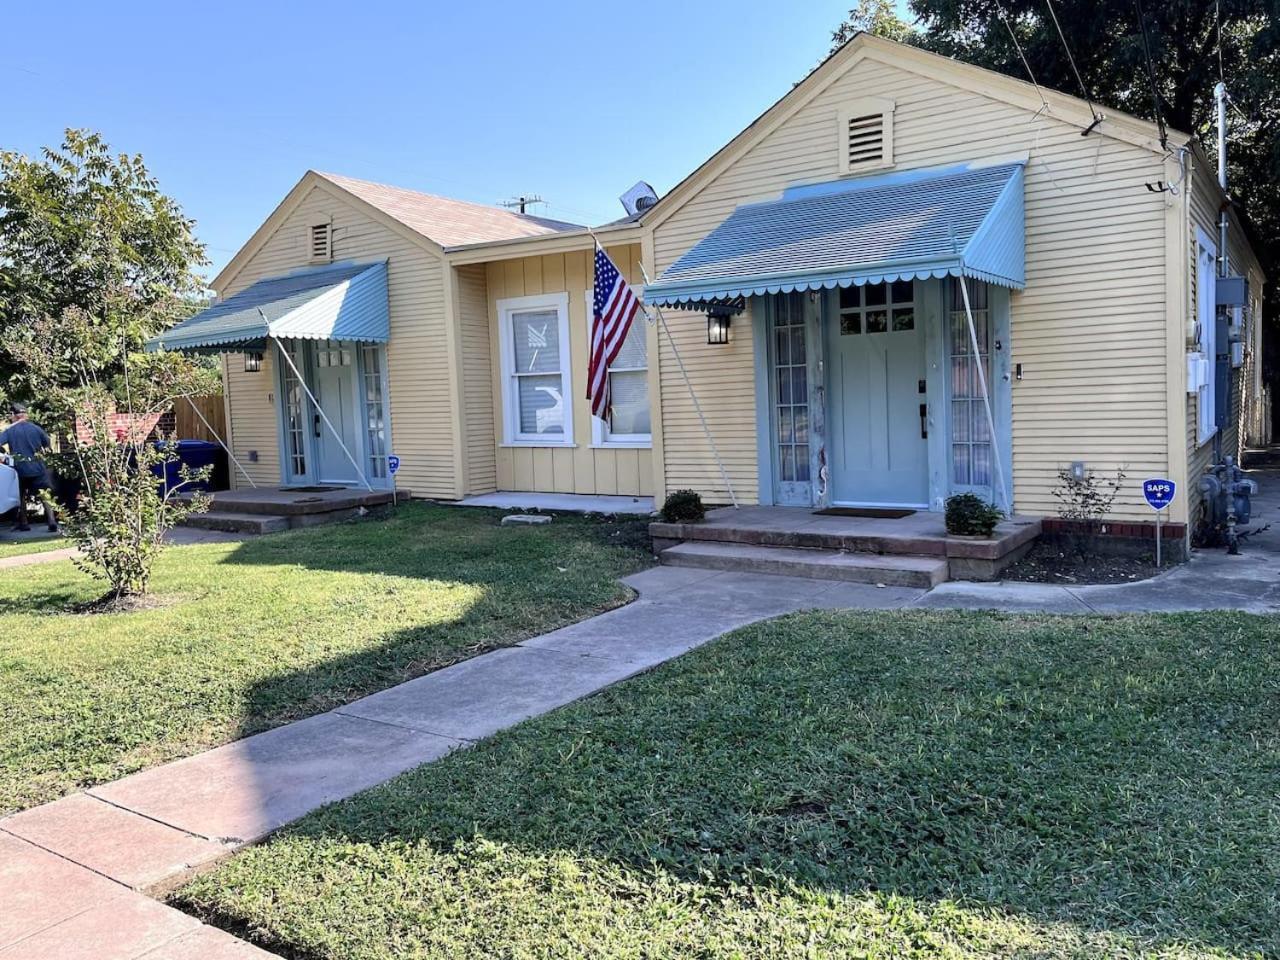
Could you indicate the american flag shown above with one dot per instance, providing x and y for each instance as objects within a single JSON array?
[{"x": 613, "y": 308}]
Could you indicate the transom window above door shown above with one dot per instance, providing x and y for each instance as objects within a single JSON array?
[
  {"x": 878, "y": 308},
  {"x": 537, "y": 398}
]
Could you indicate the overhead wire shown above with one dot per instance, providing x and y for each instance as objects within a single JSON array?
[
  {"x": 1097, "y": 118},
  {"x": 1151, "y": 75},
  {"x": 1017, "y": 45}
]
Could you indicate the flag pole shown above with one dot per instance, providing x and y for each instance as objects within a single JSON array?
[{"x": 675, "y": 350}]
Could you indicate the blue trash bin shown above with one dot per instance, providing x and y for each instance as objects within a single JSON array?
[{"x": 194, "y": 454}]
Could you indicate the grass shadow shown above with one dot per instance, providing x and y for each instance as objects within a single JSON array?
[{"x": 1094, "y": 787}]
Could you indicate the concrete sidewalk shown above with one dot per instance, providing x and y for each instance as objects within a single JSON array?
[{"x": 76, "y": 874}]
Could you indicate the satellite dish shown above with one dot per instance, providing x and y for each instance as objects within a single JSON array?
[{"x": 638, "y": 199}]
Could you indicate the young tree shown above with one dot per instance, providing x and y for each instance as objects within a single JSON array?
[
  {"x": 81, "y": 229},
  {"x": 1193, "y": 44},
  {"x": 122, "y": 510}
]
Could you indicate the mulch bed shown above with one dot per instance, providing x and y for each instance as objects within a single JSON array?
[{"x": 1051, "y": 564}]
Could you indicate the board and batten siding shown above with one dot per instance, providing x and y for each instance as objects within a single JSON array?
[
  {"x": 418, "y": 368},
  {"x": 581, "y": 468},
  {"x": 1089, "y": 330},
  {"x": 479, "y": 410}
]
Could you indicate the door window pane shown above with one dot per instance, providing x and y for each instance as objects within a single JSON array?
[
  {"x": 791, "y": 388},
  {"x": 972, "y": 462},
  {"x": 877, "y": 321}
]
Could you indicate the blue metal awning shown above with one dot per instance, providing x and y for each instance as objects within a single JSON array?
[
  {"x": 339, "y": 302},
  {"x": 919, "y": 224}
]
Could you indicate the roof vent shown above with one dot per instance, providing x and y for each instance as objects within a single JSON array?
[
  {"x": 321, "y": 237},
  {"x": 866, "y": 135},
  {"x": 638, "y": 199}
]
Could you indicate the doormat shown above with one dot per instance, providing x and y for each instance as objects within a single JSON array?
[
  {"x": 871, "y": 513},
  {"x": 310, "y": 489}
]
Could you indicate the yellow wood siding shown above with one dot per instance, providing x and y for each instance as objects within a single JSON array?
[
  {"x": 480, "y": 441},
  {"x": 582, "y": 468},
  {"x": 1089, "y": 330},
  {"x": 418, "y": 367},
  {"x": 251, "y": 420}
]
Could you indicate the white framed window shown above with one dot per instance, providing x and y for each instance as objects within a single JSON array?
[
  {"x": 628, "y": 423},
  {"x": 537, "y": 382},
  {"x": 1206, "y": 315}
]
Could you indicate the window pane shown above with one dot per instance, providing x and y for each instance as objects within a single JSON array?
[
  {"x": 981, "y": 465},
  {"x": 787, "y": 464},
  {"x": 537, "y": 341},
  {"x": 783, "y": 339},
  {"x": 960, "y": 463},
  {"x": 850, "y": 298},
  {"x": 541, "y": 404},
  {"x": 877, "y": 295},
  {"x": 784, "y": 384},
  {"x": 877, "y": 321},
  {"x": 634, "y": 352},
  {"x": 978, "y": 411},
  {"x": 850, "y": 323},
  {"x": 786, "y": 433},
  {"x": 960, "y": 421},
  {"x": 904, "y": 319},
  {"x": 797, "y": 344},
  {"x": 802, "y": 462},
  {"x": 629, "y": 394},
  {"x": 802, "y": 424},
  {"x": 799, "y": 385},
  {"x": 903, "y": 291}
]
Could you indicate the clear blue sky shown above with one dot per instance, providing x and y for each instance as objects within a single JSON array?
[{"x": 231, "y": 103}]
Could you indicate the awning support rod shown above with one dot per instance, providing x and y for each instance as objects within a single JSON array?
[
  {"x": 1005, "y": 500},
  {"x": 320, "y": 410},
  {"x": 222, "y": 443},
  {"x": 733, "y": 497}
]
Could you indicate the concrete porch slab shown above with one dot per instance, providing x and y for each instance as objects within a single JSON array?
[
  {"x": 481, "y": 696},
  {"x": 564, "y": 502},
  {"x": 243, "y": 791},
  {"x": 129, "y": 849}
]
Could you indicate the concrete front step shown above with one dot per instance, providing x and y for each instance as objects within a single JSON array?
[
  {"x": 892, "y": 570},
  {"x": 236, "y": 522}
]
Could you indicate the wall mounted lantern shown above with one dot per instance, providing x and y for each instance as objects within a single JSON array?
[
  {"x": 253, "y": 361},
  {"x": 718, "y": 319}
]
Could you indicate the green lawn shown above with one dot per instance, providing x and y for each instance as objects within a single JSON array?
[
  {"x": 18, "y": 548},
  {"x": 827, "y": 785},
  {"x": 249, "y": 635}
]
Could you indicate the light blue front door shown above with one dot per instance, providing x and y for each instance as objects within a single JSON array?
[{"x": 878, "y": 444}]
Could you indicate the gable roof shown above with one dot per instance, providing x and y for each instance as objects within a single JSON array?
[
  {"x": 989, "y": 83},
  {"x": 447, "y": 222}
]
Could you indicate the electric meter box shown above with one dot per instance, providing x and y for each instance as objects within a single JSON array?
[{"x": 1233, "y": 291}]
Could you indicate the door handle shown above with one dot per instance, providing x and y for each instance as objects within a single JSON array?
[
  {"x": 924, "y": 421},
  {"x": 315, "y": 424}
]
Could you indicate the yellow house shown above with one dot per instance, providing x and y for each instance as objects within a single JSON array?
[{"x": 924, "y": 278}]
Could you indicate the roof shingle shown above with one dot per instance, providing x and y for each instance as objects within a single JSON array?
[{"x": 447, "y": 222}]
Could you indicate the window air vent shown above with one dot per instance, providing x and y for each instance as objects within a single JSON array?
[
  {"x": 321, "y": 243},
  {"x": 866, "y": 135}
]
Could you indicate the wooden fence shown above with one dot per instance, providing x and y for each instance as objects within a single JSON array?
[{"x": 188, "y": 426}]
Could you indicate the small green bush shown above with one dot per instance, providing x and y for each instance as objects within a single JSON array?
[
  {"x": 968, "y": 515},
  {"x": 684, "y": 506}
]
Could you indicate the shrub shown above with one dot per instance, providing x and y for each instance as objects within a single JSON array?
[
  {"x": 683, "y": 506},
  {"x": 968, "y": 515},
  {"x": 1086, "y": 502}
]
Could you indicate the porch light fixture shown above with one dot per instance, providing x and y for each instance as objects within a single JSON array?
[
  {"x": 253, "y": 361},
  {"x": 718, "y": 318}
]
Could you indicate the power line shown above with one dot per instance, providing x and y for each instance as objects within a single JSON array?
[
  {"x": 1076, "y": 70},
  {"x": 1151, "y": 74},
  {"x": 1044, "y": 104}
]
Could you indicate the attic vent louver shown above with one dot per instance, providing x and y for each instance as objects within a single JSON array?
[
  {"x": 321, "y": 243},
  {"x": 866, "y": 135}
]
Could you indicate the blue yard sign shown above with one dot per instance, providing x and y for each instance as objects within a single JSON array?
[
  {"x": 1159, "y": 492},
  {"x": 393, "y": 464}
]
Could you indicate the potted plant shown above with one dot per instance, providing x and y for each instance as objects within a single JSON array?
[{"x": 969, "y": 516}]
